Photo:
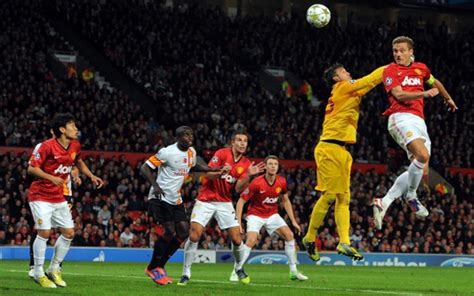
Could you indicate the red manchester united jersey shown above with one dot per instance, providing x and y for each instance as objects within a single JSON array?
[
  {"x": 264, "y": 196},
  {"x": 220, "y": 189},
  {"x": 55, "y": 160},
  {"x": 410, "y": 78}
]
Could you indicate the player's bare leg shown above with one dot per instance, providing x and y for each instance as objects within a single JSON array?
[
  {"x": 190, "y": 248},
  {"x": 290, "y": 250},
  {"x": 61, "y": 248},
  {"x": 39, "y": 251},
  {"x": 250, "y": 242}
]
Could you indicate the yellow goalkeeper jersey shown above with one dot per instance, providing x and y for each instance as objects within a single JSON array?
[{"x": 342, "y": 110}]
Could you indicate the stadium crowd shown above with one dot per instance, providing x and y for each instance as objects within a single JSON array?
[
  {"x": 116, "y": 214},
  {"x": 200, "y": 68}
]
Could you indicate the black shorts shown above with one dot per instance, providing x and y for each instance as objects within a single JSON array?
[{"x": 162, "y": 212}]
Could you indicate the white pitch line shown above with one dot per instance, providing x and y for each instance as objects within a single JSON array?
[{"x": 252, "y": 284}]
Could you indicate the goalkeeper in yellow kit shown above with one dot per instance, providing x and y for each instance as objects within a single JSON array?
[{"x": 333, "y": 161}]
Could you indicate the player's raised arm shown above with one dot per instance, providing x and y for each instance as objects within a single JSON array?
[
  {"x": 365, "y": 84},
  {"x": 253, "y": 170}
]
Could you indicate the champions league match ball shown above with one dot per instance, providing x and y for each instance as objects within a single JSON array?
[{"x": 318, "y": 15}]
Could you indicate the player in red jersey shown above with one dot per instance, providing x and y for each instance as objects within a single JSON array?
[
  {"x": 215, "y": 200},
  {"x": 264, "y": 195},
  {"x": 51, "y": 164},
  {"x": 404, "y": 82}
]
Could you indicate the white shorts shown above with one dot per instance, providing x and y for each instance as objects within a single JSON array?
[
  {"x": 406, "y": 127},
  {"x": 272, "y": 223},
  {"x": 224, "y": 213},
  {"x": 49, "y": 215}
]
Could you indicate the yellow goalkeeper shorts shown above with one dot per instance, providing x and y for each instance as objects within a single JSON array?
[{"x": 333, "y": 168}]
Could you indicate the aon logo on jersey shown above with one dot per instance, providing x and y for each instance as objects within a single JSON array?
[
  {"x": 64, "y": 170},
  {"x": 270, "y": 200},
  {"x": 228, "y": 178},
  {"x": 411, "y": 81}
]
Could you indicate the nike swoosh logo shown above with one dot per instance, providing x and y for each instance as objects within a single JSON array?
[
  {"x": 56, "y": 157},
  {"x": 262, "y": 191}
]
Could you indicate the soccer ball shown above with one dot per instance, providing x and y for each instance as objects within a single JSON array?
[{"x": 318, "y": 15}]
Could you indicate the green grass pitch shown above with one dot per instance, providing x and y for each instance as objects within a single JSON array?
[{"x": 103, "y": 278}]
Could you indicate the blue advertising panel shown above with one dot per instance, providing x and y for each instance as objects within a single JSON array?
[
  {"x": 256, "y": 257},
  {"x": 370, "y": 259}
]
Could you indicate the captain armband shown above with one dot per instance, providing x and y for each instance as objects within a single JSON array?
[{"x": 431, "y": 80}]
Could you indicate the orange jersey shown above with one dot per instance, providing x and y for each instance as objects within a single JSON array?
[{"x": 342, "y": 111}]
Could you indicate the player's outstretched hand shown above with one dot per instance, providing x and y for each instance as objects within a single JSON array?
[
  {"x": 451, "y": 104},
  {"x": 57, "y": 181},
  {"x": 256, "y": 169},
  {"x": 98, "y": 182},
  {"x": 432, "y": 92}
]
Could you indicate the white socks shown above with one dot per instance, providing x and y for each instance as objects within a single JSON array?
[
  {"x": 239, "y": 252},
  {"x": 290, "y": 251},
  {"x": 190, "y": 249},
  {"x": 60, "y": 250},
  {"x": 39, "y": 251},
  {"x": 398, "y": 188},
  {"x": 244, "y": 253},
  {"x": 415, "y": 173}
]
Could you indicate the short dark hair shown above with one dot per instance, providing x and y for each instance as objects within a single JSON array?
[
  {"x": 330, "y": 72},
  {"x": 180, "y": 131},
  {"x": 404, "y": 39},
  {"x": 60, "y": 120},
  {"x": 270, "y": 157},
  {"x": 239, "y": 131}
]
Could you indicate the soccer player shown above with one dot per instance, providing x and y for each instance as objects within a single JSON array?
[
  {"x": 215, "y": 200},
  {"x": 404, "y": 82},
  {"x": 165, "y": 203},
  {"x": 73, "y": 177},
  {"x": 333, "y": 161},
  {"x": 264, "y": 194},
  {"x": 51, "y": 164}
]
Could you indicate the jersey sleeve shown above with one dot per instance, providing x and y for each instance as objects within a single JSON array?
[
  {"x": 284, "y": 186},
  {"x": 390, "y": 78},
  {"x": 158, "y": 159},
  {"x": 428, "y": 78},
  {"x": 249, "y": 192},
  {"x": 217, "y": 159},
  {"x": 364, "y": 84},
  {"x": 39, "y": 155},
  {"x": 78, "y": 153}
]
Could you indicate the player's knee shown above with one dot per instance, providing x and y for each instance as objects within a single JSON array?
[
  {"x": 68, "y": 233},
  {"x": 44, "y": 233},
  {"x": 236, "y": 239},
  {"x": 289, "y": 236},
  {"x": 251, "y": 242},
  {"x": 182, "y": 232},
  {"x": 423, "y": 158},
  {"x": 194, "y": 235}
]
